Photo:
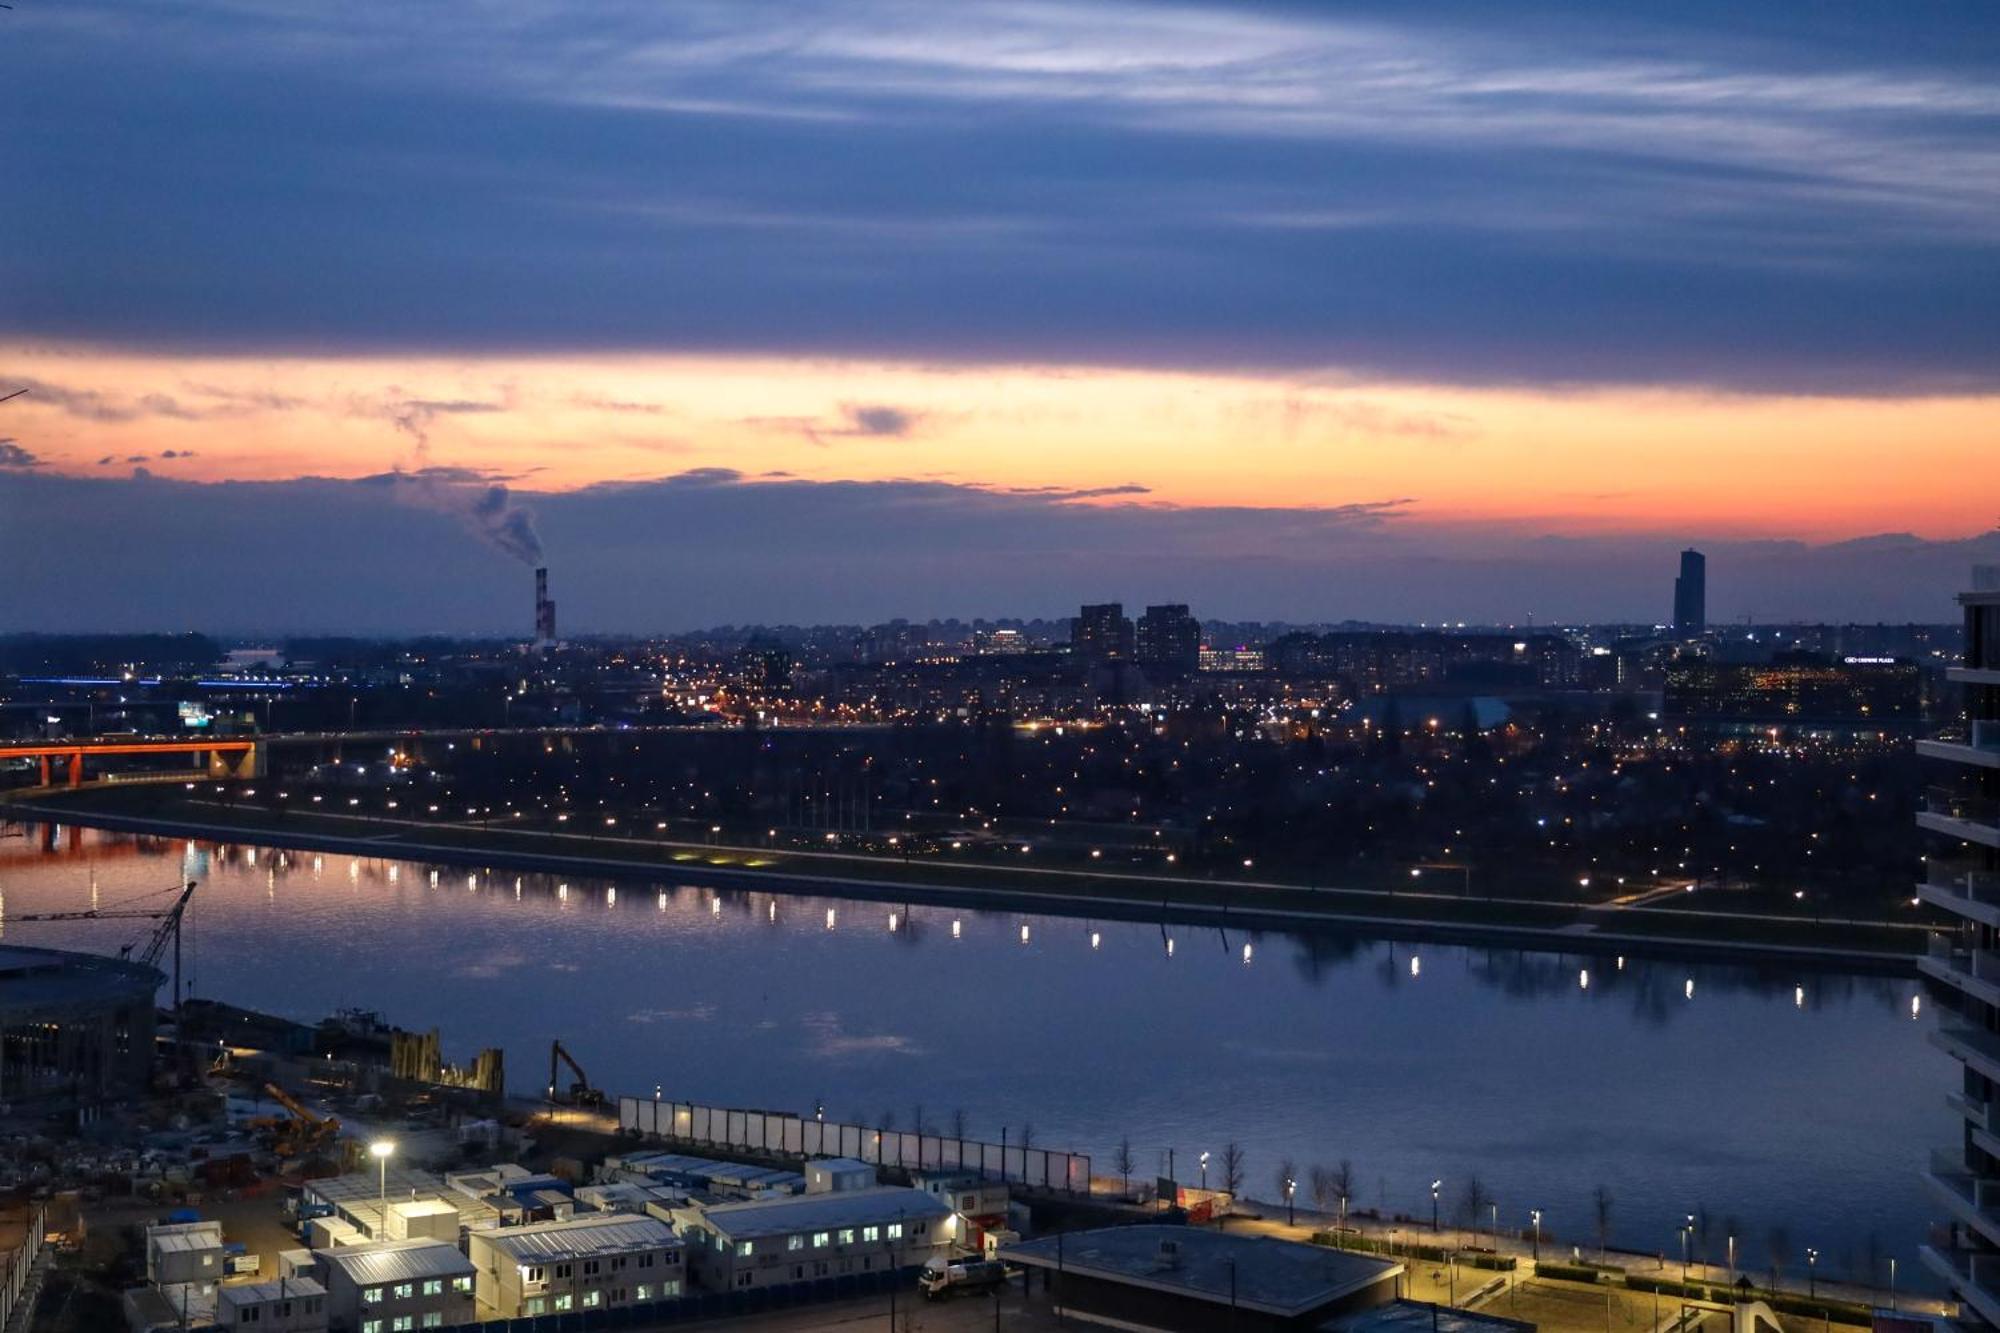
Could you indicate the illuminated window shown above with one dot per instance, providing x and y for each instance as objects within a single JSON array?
[{"x": 870, "y": 1234}]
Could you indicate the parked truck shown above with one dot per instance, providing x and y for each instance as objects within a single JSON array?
[{"x": 944, "y": 1278}]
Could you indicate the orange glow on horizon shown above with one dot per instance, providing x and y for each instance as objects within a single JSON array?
[{"x": 1564, "y": 460}]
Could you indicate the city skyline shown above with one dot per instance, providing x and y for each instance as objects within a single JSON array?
[{"x": 1288, "y": 296}]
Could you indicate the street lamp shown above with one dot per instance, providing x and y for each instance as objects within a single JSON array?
[
  {"x": 1686, "y": 1232},
  {"x": 1291, "y": 1214},
  {"x": 1535, "y": 1233},
  {"x": 1812, "y": 1272},
  {"x": 1436, "y": 1185},
  {"x": 381, "y": 1149},
  {"x": 1204, "y": 1171}
]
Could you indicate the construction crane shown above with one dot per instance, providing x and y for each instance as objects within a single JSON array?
[
  {"x": 581, "y": 1093},
  {"x": 302, "y": 1131},
  {"x": 155, "y": 944}
]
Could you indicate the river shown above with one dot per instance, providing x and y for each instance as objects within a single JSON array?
[{"x": 1777, "y": 1096}]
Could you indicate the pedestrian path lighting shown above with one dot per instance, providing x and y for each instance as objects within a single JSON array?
[
  {"x": 1204, "y": 1170},
  {"x": 1687, "y": 1231},
  {"x": 1436, "y": 1185},
  {"x": 1812, "y": 1272},
  {"x": 1535, "y": 1231},
  {"x": 1291, "y": 1214}
]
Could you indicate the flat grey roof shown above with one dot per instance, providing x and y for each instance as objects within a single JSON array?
[
  {"x": 578, "y": 1237},
  {"x": 1279, "y": 1277},
  {"x": 1422, "y": 1317},
  {"x": 808, "y": 1212},
  {"x": 374, "y": 1264}
]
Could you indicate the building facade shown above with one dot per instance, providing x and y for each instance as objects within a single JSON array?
[
  {"x": 396, "y": 1286},
  {"x": 1101, "y": 633},
  {"x": 282, "y": 1305},
  {"x": 599, "y": 1261},
  {"x": 1691, "y": 596},
  {"x": 739, "y": 1246},
  {"x": 1168, "y": 640},
  {"x": 1963, "y": 877}
]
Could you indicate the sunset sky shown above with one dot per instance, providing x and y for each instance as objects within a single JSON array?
[{"x": 802, "y": 311}]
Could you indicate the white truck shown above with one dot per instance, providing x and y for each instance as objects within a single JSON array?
[{"x": 944, "y": 1278}]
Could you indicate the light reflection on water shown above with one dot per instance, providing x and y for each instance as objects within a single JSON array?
[{"x": 1778, "y": 1097}]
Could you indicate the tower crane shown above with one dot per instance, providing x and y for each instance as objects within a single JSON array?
[{"x": 169, "y": 928}]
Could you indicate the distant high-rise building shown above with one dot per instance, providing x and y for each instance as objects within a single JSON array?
[
  {"x": 1964, "y": 880},
  {"x": 1102, "y": 633},
  {"x": 1691, "y": 595},
  {"x": 1169, "y": 639}
]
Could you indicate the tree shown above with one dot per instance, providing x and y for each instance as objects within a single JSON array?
[
  {"x": 1325, "y": 1197},
  {"x": 1122, "y": 1162},
  {"x": 1778, "y": 1242},
  {"x": 1343, "y": 1186},
  {"x": 1027, "y": 1135},
  {"x": 1600, "y": 1202},
  {"x": 1232, "y": 1169},
  {"x": 958, "y": 1123},
  {"x": 1703, "y": 1224},
  {"x": 1475, "y": 1201}
]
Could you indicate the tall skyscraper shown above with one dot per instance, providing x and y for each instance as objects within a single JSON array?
[
  {"x": 1101, "y": 632},
  {"x": 1691, "y": 595},
  {"x": 1169, "y": 640},
  {"x": 1962, "y": 876}
]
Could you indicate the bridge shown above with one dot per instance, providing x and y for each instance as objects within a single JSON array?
[{"x": 231, "y": 758}]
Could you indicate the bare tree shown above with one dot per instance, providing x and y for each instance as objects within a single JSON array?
[
  {"x": 917, "y": 1119},
  {"x": 1122, "y": 1162},
  {"x": 958, "y": 1123},
  {"x": 1320, "y": 1181},
  {"x": 1343, "y": 1186},
  {"x": 1703, "y": 1224},
  {"x": 1027, "y": 1135},
  {"x": 1778, "y": 1242},
  {"x": 1232, "y": 1169},
  {"x": 886, "y": 1121},
  {"x": 1600, "y": 1202},
  {"x": 1474, "y": 1201}
]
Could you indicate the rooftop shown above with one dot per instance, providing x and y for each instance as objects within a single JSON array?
[
  {"x": 782, "y": 1217},
  {"x": 378, "y": 1262},
  {"x": 32, "y": 977},
  {"x": 1422, "y": 1317},
  {"x": 579, "y": 1237},
  {"x": 1277, "y": 1277},
  {"x": 276, "y": 1289}
]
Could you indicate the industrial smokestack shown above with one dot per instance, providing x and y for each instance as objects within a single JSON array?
[{"x": 545, "y": 611}]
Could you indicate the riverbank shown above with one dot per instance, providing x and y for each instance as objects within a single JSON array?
[{"x": 1636, "y": 929}]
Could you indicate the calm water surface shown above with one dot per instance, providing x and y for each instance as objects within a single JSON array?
[{"x": 1780, "y": 1098}]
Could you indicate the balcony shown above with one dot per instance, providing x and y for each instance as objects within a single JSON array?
[
  {"x": 1973, "y": 675},
  {"x": 1960, "y": 815},
  {"x": 1974, "y": 972},
  {"x": 1971, "y": 1200},
  {"x": 1978, "y": 745},
  {"x": 1963, "y": 888},
  {"x": 1974, "y": 1274},
  {"x": 1981, "y": 1050}
]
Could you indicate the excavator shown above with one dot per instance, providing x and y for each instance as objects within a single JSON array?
[
  {"x": 301, "y": 1131},
  {"x": 581, "y": 1092}
]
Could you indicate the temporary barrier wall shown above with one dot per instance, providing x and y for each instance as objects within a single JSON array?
[{"x": 792, "y": 1136}]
